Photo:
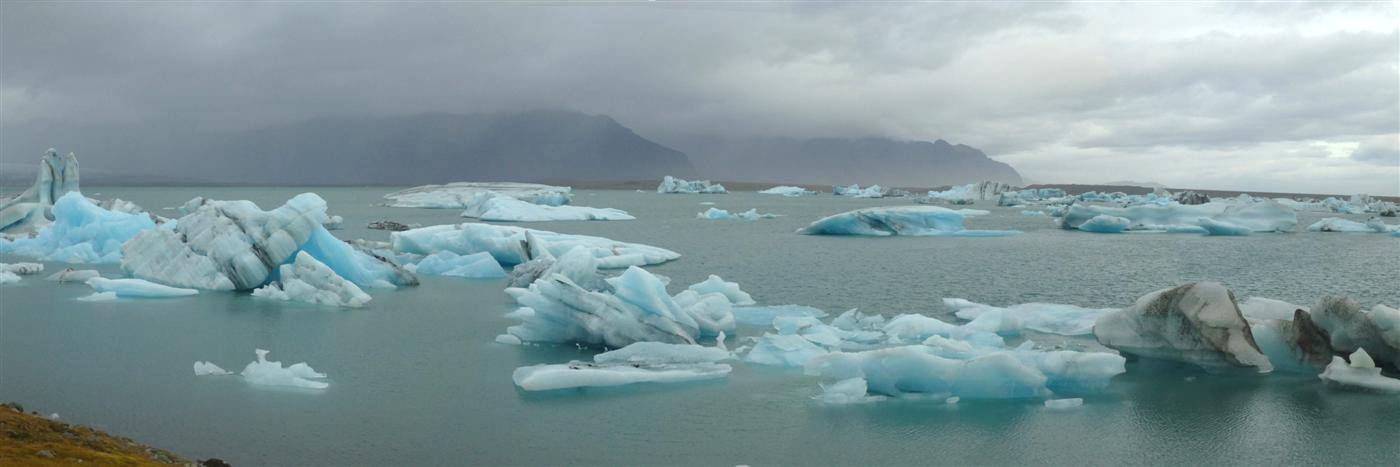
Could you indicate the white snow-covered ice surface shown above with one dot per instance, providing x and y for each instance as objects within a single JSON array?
[{"x": 979, "y": 324}]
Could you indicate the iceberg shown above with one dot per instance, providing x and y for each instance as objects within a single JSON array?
[
  {"x": 81, "y": 232},
  {"x": 1337, "y": 224},
  {"x": 1064, "y": 320},
  {"x": 1262, "y": 216},
  {"x": 1216, "y": 227},
  {"x": 902, "y": 220},
  {"x": 99, "y": 297},
  {"x": 1191, "y": 198},
  {"x": 495, "y": 207},
  {"x": 712, "y": 312},
  {"x": 457, "y": 195},
  {"x": 1103, "y": 223},
  {"x": 1197, "y": 323},
  {"x": 789, "y": 191},
  {"x": 783, "y": 350},
  {"x": 1060, "y": 404},
  {"x": 446, "y": 263},
  {"x": 556, "y": 310},
  {"x": 730, "y": 290},
  {"x": 308, "y": 280},
  {"x": 1361, "y": 373},
  {"x": 367, "y": 264},
  {"x": 1350, "y": 328},
  {"x": 1295, "y": 344},
  {"x": 57, "y": 177},
  {"x": 720, "y": 214},
  {"x": 268, "y": 373},
  {"x": 1034, "y": 213},
  {"x": 7, "y": 277},
  {"x": 967, "y": 194},
  {"x": 855, "y": 191},
  {"x": 29, "y": 269},
  {"x": 137, "y": 288},
  {"x": 764, "y": 315},
  {"x": 671, "y": 184},
  {"x": 583, "y": 374},
  {"x": 510, "y": 245},
  {"x": 209, "y": 369},
  {"x": 1006, "y": 374},
  {"x": 390, "y": 226}
]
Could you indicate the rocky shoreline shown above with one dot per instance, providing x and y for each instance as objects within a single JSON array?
[{"x": 32, "y": 439}]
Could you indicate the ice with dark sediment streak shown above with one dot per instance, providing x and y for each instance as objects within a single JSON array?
[
  {"x": 1198, "y": 323},
  {"x": 902, "y": 220},
  {"x": 307, "y": 280},
  {"x": 457, "y": 195},
  {"x": 1360, "y": 373},
  {"x": 556, "y": 310},
  {"x": 57, "y": 176},
  {"x": 510, "y": 245}
]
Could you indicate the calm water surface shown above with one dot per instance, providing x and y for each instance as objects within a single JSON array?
[{"x": 417, "y": 379}]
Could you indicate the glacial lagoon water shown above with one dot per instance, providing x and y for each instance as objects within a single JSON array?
[{"x": 417, "y": 379}]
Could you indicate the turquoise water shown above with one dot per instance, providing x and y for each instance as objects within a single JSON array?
[{"x": 416, "y": 378}]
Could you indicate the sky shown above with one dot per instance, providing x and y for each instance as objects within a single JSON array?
[{"x": 1291, "y": 97}]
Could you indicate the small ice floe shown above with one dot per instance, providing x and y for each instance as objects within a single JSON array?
[
  {"x": 137, "y": 288},
  {"x": 263, "y": 372},
  {"x": 1060, "y": 404}
]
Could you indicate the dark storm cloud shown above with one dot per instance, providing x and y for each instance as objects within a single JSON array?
[{"x": 1231, "y": 87}]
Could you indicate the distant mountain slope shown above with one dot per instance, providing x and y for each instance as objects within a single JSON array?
[
  {"x": 842, "y": 161},
  {"x": 417, "y": 149}
]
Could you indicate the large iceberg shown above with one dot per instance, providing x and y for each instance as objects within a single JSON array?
[
  {"x": 902, "y": 220},
  {"x": 967, "y": 194},
  {"x": 137, "y": 288},
  {"x": 1337, "y": 224},
  {"x": 855, "y": 191},
  {"x": 1197, "y": 323},
  {"x": 234, "y": 245},
  {"x": 81, "y": 232},
  {"x": 512, "y": 245},
  {"x": 671, "y": 184},
  {"x": 57, "y": 176},
  {"x": 495, "y": 207},
  {"x": 1262, "y": 216},
  {"x": 789, "y": 191},
  {"x": 311, "y": 281},
  {"x": 459, "y": 194}
]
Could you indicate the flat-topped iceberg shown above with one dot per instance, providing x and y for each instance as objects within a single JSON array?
[
  {"x": 458, "y": 195},
  {"x": 902, "y": 220},
  {"x": 1197, "y": 323},
  {"x": 495, "y": 207},
  {"x": 81, "y": 232},
  {"x": 512, "y": 245},
  {"x": 28, "y": 210},
  {"x": 137, "y": 288},
  {"x": 234, "y": 245},
  {"x": 642, "y": 362},
  {"x": 308, "y": 280},
  {"x": 720, "y": 214},
  {"x": 1262, "y": 216},
  {"x": 671, "y": 184},
  {"x": 789, "y": 191}
]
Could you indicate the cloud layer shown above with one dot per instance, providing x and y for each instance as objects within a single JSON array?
[{"x": 1275, "y": 97}]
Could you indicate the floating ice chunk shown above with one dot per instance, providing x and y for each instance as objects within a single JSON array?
[
  {"x": 1337, "y": 224},
  {"x": 764, "y": 315},
  {"x": 494, "y": 207},
  {"x": 712, "y": 312},
  {"x": 1034, "y": 213},
  {"x": 81, "y": 232},
  {"x": 1105, "y": 224},
  {"x": 583, "y": 374},
  {"x": 577, "y": 264},
  {"x": 1264, "y": 216},
  {"x": 730, "y": 290},
  {"x": 901, "y": 220},
  {"x": 1196, "y": 323},
  {"x": 474, "y": 266},
  {"x": 74, "y": 275},
  {"x": 99, "y": 297},
  {"x": 1351, "y": 329},
  {"x": 789, "y": 191},
  {"x": 267, "y": 373},
  {"x": 22, "y": 269},
  {"x": 508, "y": 339},
  {"x": 1215, "y": 227},
  {"x": 854, "y": 320},
  {"x": 311, "y": 281},
  {"x": 1065, "y": 320},
  {"x": 510, "y": 246},
  {"x": 1060, "y": 404},
  {"x": 555, "y": 309},
  {"x": 225, "y": 245},
  {"x": 855, "y": 191},
  {"x": 57, "y": 177},
  {"x": 7, "y": 277},
  {"x": 912, "y": 369},
  {"x": 457, "y": 195},
  {"x": 913, "y": 328},
  {"x": 137, "y": 288},
  {"x": 787, "y": 350},
  {"x": 1361, "y": 373},
  {"x": 720, "y": 214},
  {"x": 209, "y": 369},
  {"x": 848, "y": 391},
  {"x": 671, "y": 184},
  {"x": 334, "y": 223},
  {"x": 656, "y": 353}
]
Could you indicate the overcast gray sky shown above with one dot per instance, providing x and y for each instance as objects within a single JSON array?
[{"x": 1278, "y": 97}]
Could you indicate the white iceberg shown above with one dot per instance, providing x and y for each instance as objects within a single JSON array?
[
  {"x": 81, "y": 232},
  {"x": 446, "y": 263},
  {"x": 1005, "y": 374},
  {"x": 1060, "y": 404},
  {"x": 730, "y": 290},
  {"x": 1065, "y": 320},
  {"x": 967, "y": 194},
  {"x": 1262, "y": 216},
  {"x": 855, "y": 191},
  {"x": 137, "y": 288},
  {"x": 308, "y": 280},
  {"x": 789, "y": 191},
  {"x": 902, "y": 220},
  {"x": 25, "y": 269},
  {"x": 209, "y": 369},
  {"x": 671, "y": 184},
  {"x": 509, "y": 245},
  {"x": 7, "y": 277},
  {"x": 1361, "y": 373},
  {"x": 268, "y": 373},
  {"x": 583, "y": 374},
  {"x": 74, "y": 275},
  {"x": 495, "y": 207},
  {"x": 57, "y": 177},
  {"x": 457, "y": 195},
  {"x": 1337, "y": 224},
  {"x": 712, "y": 312},
  {"x": 1197, "y": 323},
  {"x": 720, "y": 214},
  {"x": 98, "y": 297}
]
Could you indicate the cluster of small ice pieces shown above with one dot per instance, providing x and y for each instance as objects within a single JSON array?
[
  {"x": 495, "y": 207},
  {"x": 788, "y": 191},
  {"x": 902, "y": 220},
  {"x": 459, "y": 195},
  {"x": 671, "y": 184},
  {"x": 720, "y": 214},
  {"x": 262, "y": 372}
]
